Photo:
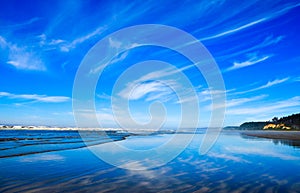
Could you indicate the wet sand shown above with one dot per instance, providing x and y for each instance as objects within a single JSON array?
[
  {"x": 234, "y": 164},
  {"x": 290, "y": 135}
]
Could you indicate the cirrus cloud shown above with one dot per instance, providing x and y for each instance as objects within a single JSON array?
[{"x": 35, "y": 97}]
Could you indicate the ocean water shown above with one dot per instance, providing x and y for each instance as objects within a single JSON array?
[{"x": 43, "y": 161}]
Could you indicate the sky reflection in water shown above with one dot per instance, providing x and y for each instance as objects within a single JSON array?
[{"x": 235, "y": 163}]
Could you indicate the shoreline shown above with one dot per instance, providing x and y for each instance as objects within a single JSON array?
[{"x": 289, "y": 135}]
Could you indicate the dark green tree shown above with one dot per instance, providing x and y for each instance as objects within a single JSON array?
[{"x": 275, "y": 120}]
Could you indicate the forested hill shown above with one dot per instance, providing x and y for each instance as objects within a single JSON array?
[
  {"x": 253, "y": 125},
  {"x": 291, "y": 122}
]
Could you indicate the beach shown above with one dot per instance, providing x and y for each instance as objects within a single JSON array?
[
  {"x": 43, "y": 161},
  {"x": 289, "y": 135}
]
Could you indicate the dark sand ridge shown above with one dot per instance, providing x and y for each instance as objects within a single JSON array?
[{"x": 290, "y": 135}]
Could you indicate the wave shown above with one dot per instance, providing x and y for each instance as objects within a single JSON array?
[{"x": 24, "y": 142}]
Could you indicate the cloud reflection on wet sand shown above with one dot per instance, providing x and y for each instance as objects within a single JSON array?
[{"x": 234, "y": 164}]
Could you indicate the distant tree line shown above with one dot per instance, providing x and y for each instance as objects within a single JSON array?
[
  {"x": 253, "y": 125},
  {"x": 292, "y": 121}
]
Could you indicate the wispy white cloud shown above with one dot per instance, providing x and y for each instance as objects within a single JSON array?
[
  {"x": 114, "y": 43},
  {"x": 271, "y": 40},
  {"x": 240, "y": 50},
  {"x": 138, "y": 90},
  {"x": 22, "y": 24},
  {"x": 212, "y": 92},
  {"x": 104, "y": 96},
  {"x": 22, "y": 57},
  {"x": 297, "y": 79},
  {"x": 120, "y": 57},
  {"x": 67, "y": 46},
  {"x": 88, "y": 36},
  {"x": 253, "y": 60},
  {"x": 272, "y": 83},
  {"x": 146, "y": 86},
  {"x": 228, "y": 32},
  {"x": 266, "y": 107},
  {"x": 49, "y": 44},
  {"x": 35, "y": 97},
  {"x": 3, "y": 42},
  {"x": 206, "y": 94},
  {"x": 164, "y": 73},
  {"x": 187, "y": 100},
  {"x": 56, "y": 41},
  {"x": 271, "y": 16},
  {"x": 267, "y": 85},
  {"x": 235, "y": 102},
  {"x": 116, "y": 59},
  {"x": 117, "y": 46},
  {"x": 239, "y": 101},
  {"x": 64, "y": 45}
]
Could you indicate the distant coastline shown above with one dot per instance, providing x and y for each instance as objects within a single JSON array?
[
  {"x": 17, "y": 127},
  {"x": 99, "y": 129},
  {"x": 285, "y": 128},
  {"x": 288, "y": 123}
]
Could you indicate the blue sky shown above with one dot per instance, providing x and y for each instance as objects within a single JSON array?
[{"x": 255, "y": 44}]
